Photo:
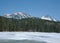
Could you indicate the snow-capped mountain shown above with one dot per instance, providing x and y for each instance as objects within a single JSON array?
[
  {"x": 47, "y": 17},
  {"x": 20, "y": 15},
  {"x": 17, "y": 15}
]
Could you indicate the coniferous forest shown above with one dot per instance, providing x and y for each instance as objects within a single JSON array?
[{"x": 28, "y": 24}]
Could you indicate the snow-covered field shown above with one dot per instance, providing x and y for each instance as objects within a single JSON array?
[{"x": 38, "y": 36}]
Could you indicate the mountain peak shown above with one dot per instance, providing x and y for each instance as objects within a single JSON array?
[
  {"x": 17, "y": 15},
  {"x": 47, "y": 17}
]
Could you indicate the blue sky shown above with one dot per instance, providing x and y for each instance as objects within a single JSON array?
[{"x": 35, "y": 8}]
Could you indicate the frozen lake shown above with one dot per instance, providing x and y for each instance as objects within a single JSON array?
[{"x": 29, "y": 37}]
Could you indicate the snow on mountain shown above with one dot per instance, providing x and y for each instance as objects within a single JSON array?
[
  {"x": 20, "y": 15},
  {"x": 48, "y": 18},
  {"x": 17, "y": 15},
  {"x": 7, "y": 15}
]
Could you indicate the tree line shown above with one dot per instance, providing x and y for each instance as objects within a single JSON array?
[{"x": 28, "y": 24}]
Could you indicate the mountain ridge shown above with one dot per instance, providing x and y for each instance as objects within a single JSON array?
[
  {"x": 20, "y": 15},
  {"x": 17, "y": 15}
]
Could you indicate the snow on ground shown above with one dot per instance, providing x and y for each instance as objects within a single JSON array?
[{"x": 38, "y": 36}]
